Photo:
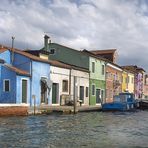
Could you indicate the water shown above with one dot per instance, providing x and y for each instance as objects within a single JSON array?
[{"x": 84, "y": 130}]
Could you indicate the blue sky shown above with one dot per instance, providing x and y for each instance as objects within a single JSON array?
[{"x": 80, "y": 24}]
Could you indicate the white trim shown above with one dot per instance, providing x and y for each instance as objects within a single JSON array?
[
  {"x": 4, "y": 85},
  {"x": 108, "y": 64}
]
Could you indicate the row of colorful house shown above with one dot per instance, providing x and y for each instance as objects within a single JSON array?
[{"x": 56, "y": 75}]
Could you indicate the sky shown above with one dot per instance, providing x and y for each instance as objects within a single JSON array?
[{"x": 79, "y": 24}]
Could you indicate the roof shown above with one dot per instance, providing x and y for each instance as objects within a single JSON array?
[
  {"x": 60, "y": 63},
  {"x": 37, "y": 52},
  {"x": 133, "y": 68},
  {"x": 95, "y": 56},
  {"x": 17, "y": 70},
  {"x": 36, "y": 58},
  {"x": 105, "y": 51},
  {"x": 101, "y": 58},
  {"x": 62, "y": 46}
]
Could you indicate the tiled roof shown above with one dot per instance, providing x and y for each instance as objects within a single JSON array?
[
  {"x": 36, "y": 58},
  {"x": 106, "y": 51},
  {"x": 17, "y": 70},
  {"x": 2, "y": 49},
  {"x": 133, "y": 68}
]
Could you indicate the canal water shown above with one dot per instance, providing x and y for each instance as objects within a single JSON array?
[{"x": 83, "y": 130}]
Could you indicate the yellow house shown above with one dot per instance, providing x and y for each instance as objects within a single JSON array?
[
  {"x": 130, "y": 84},
  {"x": 124, "y": 81}
]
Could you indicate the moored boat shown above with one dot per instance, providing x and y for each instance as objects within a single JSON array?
[{"x": 122, "y": 102}]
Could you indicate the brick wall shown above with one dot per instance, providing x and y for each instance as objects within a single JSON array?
[{"x": 13, "y": 110}]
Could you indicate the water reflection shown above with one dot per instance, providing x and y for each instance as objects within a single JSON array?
[{"x": 92, "y": 130}]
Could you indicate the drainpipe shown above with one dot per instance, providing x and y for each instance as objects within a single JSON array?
[
  {"x": 12, "y": 50},
  {"x": 105, "y": 83},
  {"x": 70, "y": 83}
]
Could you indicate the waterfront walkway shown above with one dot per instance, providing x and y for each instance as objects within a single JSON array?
[{"x": 63, "y": 109}]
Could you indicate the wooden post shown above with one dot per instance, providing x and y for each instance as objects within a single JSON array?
[
  {"x": 75, "y": 95},
  {"x": 34, "y": 102}
]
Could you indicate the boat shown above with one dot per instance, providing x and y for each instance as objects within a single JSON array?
[
  {"x": 143, "y": 104},
  {"x": 122, "y": 102}
]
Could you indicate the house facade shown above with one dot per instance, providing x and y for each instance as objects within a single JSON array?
[
  {"x": 138, "y": 80},
  {"x": 68, "y": 82},
  {"x": 146, "y": 86},
  {"x": 24, "y": 78},
  {"x": 124, "y": 81},
  {"x": 113, "y": 81}
]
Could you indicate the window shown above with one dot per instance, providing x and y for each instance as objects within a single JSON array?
[
  {"x": 132, "y": 80},
  {"x": 6, "y": 85},
  {"x": 93, "y": 67},
  {"x": 93, "y": 90},
  {"x": 128, "y": 79},
  {"x": 86, "y": 91},
  {"x": 52, "y": 51},
  {"x": 82, "y": 93},
  {"x": 65, "y": 86},
  {"x": 103, "y": 70}
]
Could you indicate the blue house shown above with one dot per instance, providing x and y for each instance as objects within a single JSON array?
[{"x": 24, "y": 78}]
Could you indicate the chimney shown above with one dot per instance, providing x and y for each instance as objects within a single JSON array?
[{"x": 46, "y": 38}]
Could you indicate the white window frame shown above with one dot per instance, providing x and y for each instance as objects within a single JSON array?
[{"x": 4, "y": 85}]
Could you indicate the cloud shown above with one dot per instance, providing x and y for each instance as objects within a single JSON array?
[{"x": 89, "y": 24}]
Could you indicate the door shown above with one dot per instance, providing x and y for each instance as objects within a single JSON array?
[
  {"x": 55, "y": 95},
  {"x": 98, "y": 96},
  {"x": 82, "y": 93},
  {"x": 43, "y": 92},
  {"x": 24, "y": 91}
]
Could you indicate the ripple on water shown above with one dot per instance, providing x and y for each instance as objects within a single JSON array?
[{"x": 96, "y": 129}]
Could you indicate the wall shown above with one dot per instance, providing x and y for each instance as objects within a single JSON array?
[
  {"x": 68, "y": 55},
  {"x": 130, "y": 84},
  {"x": 8, "y": 97},
  {"x": 98, "y": 69},
  {"x": 138, "y": 85},
  {"x": 19, "y": 89},
  {"x": 57, "y": 75},
  {"x": 6, "y": 56},
  {"x": 124, "y": 81},
  {"x": 96, "y": 78},
  {"x": 22, "y": 62},
  {"x": 99, "y": 84},
  {"x": 113, "y": 87},
  {"x": 82, "y": 80},
  {"x": 39, "y": 70}
]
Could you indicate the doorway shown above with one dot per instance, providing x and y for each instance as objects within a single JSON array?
[
  {"x": 24, "y": 91},
  {"x": 98, "y": 96},
  {"x": 82, "y": 93},
  {"x": 43, "y": 91},
  {"x": 55, "y": 93}
]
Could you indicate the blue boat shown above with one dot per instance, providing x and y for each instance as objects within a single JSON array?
[{"x": 122, "y": 102}]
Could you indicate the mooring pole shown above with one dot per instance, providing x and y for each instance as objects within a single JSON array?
[
  {"x": 75, "y": 95},
  {"x": 34, "y": 102}
]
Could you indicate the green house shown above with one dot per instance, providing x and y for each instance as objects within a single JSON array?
[
  {"x": 67, "y": 55},
  {"x": 97, "y": 78}
]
